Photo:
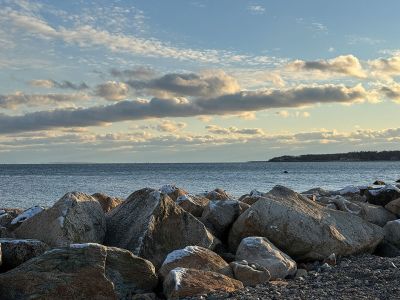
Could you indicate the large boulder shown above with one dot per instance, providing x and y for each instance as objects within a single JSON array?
[
  {"x": 260, "y": 251},
  {"x": 151, "y": 225},
  {"x": 376, "y": 214},
  {"x": 193, "y": 204},
  {"x": 394, "y": 206},
  {"x": 75, "y": 218},
  {"x": 16, "y": 252},
  {"x": 195, "y": 257},
  {"x": 249, "y": 274},
  {"x": 107, "y": 203},
  {"x": 304, "y": 229},
  {"x": 172, "y": 191},
  {"x": 7, "y": 215},
  {"x": 392, "y": 232},
  {"x": 218, "y": 216},
  {"x": 217, "y": 194},
  {"x": 252, "y": 197},
  {"x": 383, "y": 195},
  {"x": 81, "y": 271},
  {"x": 182, "y": 282}
]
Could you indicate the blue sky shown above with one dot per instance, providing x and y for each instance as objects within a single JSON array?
[{"x": 178, "y": 81}]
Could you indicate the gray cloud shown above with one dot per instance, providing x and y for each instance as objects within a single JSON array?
[
  {"x": 112, "y": 90},
  {"x": 49, "y": 83},
  {"x": 13, "y": 101},
  {"x": 180, "y": 107},
  {"x": 141, "y": 72},
  {"x": 234, "y": 130},
  {"x": 206, "y": 84},
  {"x": 345, "y": 64}
]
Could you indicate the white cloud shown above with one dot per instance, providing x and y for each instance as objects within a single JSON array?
[{"x": 256, "y": 9}]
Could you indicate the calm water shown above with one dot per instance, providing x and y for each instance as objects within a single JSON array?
[{"x": 27, "y": 185}]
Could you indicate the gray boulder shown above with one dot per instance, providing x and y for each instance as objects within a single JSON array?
[
  {"x": 151, "y": 225},
  {"x": 260, "y": 251},
  {"x": 304, "y": 229},
  {"x": 75, "y": 218}
]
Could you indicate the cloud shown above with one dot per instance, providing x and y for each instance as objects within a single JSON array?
[
  {"x": 138, "y": 73},
  {"x": 87, "y": 36},
  {"x": 181, "y": 107},
  {"x": 256, "y": 9},
  {"x": 48, "y": 83},
  {"x": 112, "y": 90},
  {"x": 391, "y": 91},
  {"x": 234, "y": 130},
  {"x": 298, "y": 114},
  {"x": 13, "y": 101},
  {"x": 206, "y": 84},
  {"x": 388, "y": 66},
  {"x": 170, "y": 126},
  {"x": 348, "y": 65}
]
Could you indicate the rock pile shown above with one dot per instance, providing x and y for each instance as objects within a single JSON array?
[{"x": 170, "y": 243}]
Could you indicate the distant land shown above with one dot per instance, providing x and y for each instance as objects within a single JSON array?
[{"x": 350, "y": 156}]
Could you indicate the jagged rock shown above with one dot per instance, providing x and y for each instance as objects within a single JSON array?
[
  {"x": 379, "y": 182},
  {"x": 217, "y": 194},
  {"x": 376, "y": 214},
  {"x": 16, "y": 252},
  {"x": 192, "y": 204},
  {"x": 107, "y": 203},
  {"x": 7, "y": 215},
  {"x": 383, "y": 195},
  {"x": 173, "y": 191},
  {"x": 252, "y": 197},
  {"x": 249, "y": 275},
  {"x": 75, "y": 218},
  {"x": 151, "y": 225},
  {"x": 182, "y": 282},
  {"x": 129, "y": 273},
  {"x": 81, "y": 271},
  {"x": 394, "y": 206},
  {"x": 195, "y": 257},
  {"x": 218, "y": 216},
  {"x": 260, "y": 251},
  {"x": 304, "y": 229},
  {"x": 386, "y": 249},
  {"x": 392, "y": 232}
]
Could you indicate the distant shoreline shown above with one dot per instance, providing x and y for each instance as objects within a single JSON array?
[{"x": 341, "y": 157}]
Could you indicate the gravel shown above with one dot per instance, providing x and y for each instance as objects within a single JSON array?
[{"x": 356, "y": 277}]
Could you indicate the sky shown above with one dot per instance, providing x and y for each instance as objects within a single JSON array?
[{"x": 196, "y": 81}]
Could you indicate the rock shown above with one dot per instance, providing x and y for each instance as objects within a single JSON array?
[
  {"x": 147, "y": 296},
  {"x": 304, "y": 229},
  {"x": 330, "y": 260},
  {"x": 195, "y": 257},
  {"x": 348, "y": 190},
  {"x": 192, "y": 204},
  {"x": 5, "y": 233},
  {"x": 252, "y": 198},
  {"x": 376, "y": 214},
  {"x": 217, "y": 194},
  {"x": 130, "y": 274},
  {"x": 107, "y": 203},
  {"x": 82, "y": 271},
  {"x": 173, "y": 191},
  {"x": 383, "y": 195},
  {"x": 218, "y": 216},
  {"x": 392, "y": 232},
  {"x": 16, "y": 252},
  {"x": 27, "y": 214},
  {"x": 182, "y": 282},
  {"x": 394, "y": 206},
  {"x": 75, "y": 218},
  {"x": 379, "y": 182},
  {"x": 386, "y": 249},
  {"x": 249, "y": 275},
  {"x": 301, "y": 273},
  {"x": 260, "y": 251},
  {"x": 7, "y": 215},
  {"x": 343, "y": 204},
  {"x": 319, "y": 192},
  {"x": 151, "y": 225}
]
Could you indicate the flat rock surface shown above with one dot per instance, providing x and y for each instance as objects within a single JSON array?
[{"x": 359, "y": 277}]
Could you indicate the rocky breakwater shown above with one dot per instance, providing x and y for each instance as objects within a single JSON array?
[{"x": 168, "y": 243}]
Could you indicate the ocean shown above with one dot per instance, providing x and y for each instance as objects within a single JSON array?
[{"x": 26, "y": 185}]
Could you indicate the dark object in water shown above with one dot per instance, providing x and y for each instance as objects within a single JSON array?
[{"x": 285, "y": 172}]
